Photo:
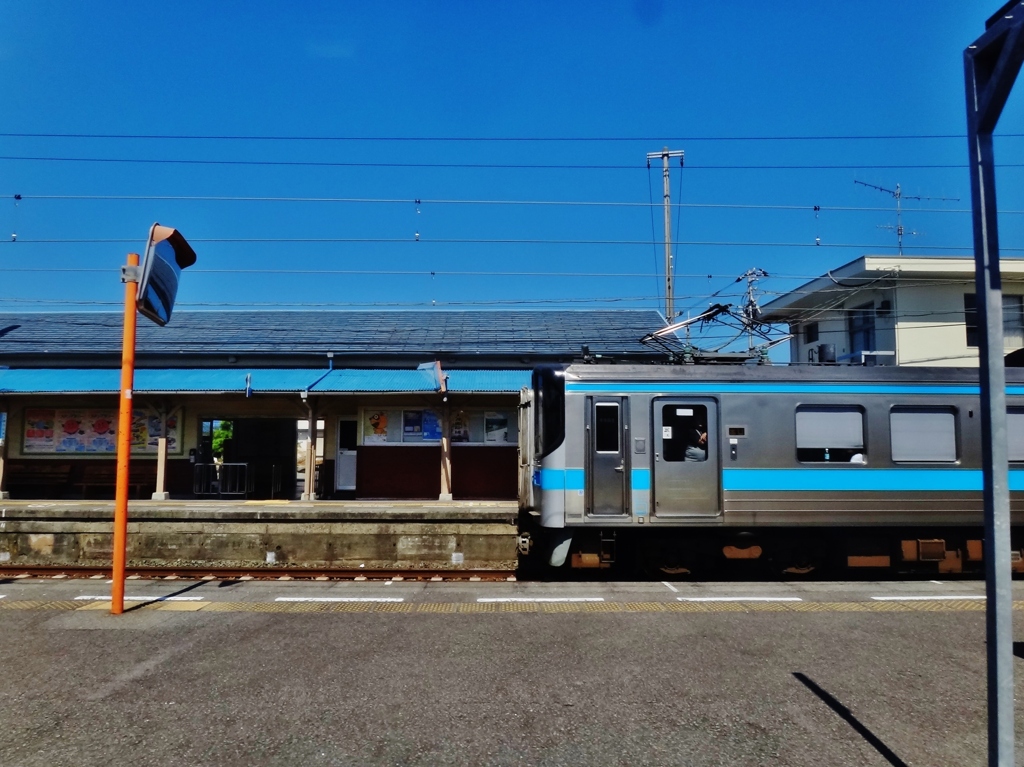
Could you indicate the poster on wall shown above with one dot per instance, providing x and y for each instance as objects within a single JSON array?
[
  {"x": 91, "y": 431},
  {"x": 412, "y": 424},
  {"x": 495, "y": 427},
  {"x": 375, "y": 429},
  {"x": 460, "y": 427},
  {"x": 431, "y": 426},
  {"x": 3, "y": 427}
]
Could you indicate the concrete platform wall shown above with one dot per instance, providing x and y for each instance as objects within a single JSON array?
[{"x": 416, "y": 536}]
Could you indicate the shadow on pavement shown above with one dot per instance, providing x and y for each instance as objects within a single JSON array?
[
  {"x": 162, "y": 597},
  {"x": 851, "y": 720}
]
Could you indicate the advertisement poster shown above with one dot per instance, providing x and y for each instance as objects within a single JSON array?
[
  {"x": 413, "y": 423},
  {"x": 495, "y": 427},
  {"x": 375, "y": 430},
  {"x": 94, "y": 431},
  {"x": 431, "y": 426},
  {"x": 39, "y": 431},
  {"x": 3, "y": 427},
  {"x": 460, "y": 427}
]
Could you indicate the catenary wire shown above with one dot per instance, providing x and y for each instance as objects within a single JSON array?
[
  {"x": 484, "y": 166},
  {"x": 496, "y": 139}
]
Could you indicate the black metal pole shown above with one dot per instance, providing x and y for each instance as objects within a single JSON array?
[{"x": 991, "y": 65}]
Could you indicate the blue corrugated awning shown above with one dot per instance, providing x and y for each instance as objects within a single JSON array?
[
  {"x": 266, "y": 380},
  {"x": 487, "y": 380},
  {"x": 423, "y": 380}
]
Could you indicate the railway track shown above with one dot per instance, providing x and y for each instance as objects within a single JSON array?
[{"x": 252, "y": 573}]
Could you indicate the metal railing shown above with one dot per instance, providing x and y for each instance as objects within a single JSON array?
[{"x": 222, "y": 480}]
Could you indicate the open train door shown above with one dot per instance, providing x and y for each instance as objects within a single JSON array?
[{"x": 686, "y": 458}]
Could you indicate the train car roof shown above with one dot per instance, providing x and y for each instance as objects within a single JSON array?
[{"x": 798, "y": 373}]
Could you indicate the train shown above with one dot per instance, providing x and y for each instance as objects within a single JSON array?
[{"x": 686, "y": 468}]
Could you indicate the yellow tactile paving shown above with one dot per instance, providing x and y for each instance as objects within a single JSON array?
[{"x": 945, "y": 606}]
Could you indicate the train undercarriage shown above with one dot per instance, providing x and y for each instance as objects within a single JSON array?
[{"x": 699, "y": 553}]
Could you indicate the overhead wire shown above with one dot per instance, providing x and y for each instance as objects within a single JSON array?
[
  {"x": 497, "y": 241},
  {"x": 481, "y": 166},
  {"x": 496, "y": 139}
]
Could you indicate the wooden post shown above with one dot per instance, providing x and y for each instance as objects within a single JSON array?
[
  {"x": 161, "y": 493},
  {"x": 446, "y": 447},
  {"x": 3, "y": 455},
  {"x": 308, "y": 485}
]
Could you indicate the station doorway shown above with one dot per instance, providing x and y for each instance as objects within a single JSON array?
[{"x": 247, "y": 458}]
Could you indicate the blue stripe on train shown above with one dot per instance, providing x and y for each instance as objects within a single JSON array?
[
  {"x": 711, "y": 387},
  {"x": 821, "y": 479}
]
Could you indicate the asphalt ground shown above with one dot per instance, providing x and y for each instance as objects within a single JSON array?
[{"x": 413, "y": 673}]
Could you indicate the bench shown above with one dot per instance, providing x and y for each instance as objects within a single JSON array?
[
  {"x": 103, "y": 474},
  {"x": 38, "y": 478}
]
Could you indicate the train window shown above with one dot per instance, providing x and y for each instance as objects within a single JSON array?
[
  {"x": 830, "y": 433},
  {"x": 923, "y": 435},
  {"x": 684, "y": 433},
  {"x": 606, "y": 427},
  {"x": 1015, "y": 433}
]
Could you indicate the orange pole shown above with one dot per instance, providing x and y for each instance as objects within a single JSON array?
[{"x": 124, "y": 441}]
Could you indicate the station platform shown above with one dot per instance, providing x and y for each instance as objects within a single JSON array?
[{"x": 472, "y": 535}]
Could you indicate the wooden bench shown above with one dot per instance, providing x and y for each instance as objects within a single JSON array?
[
  {"x": 37, "y": 477},
  {"x": 103, "y": 474}
]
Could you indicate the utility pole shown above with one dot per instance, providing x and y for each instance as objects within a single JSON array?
[
  {"x": 751, "y": 311},
  {"x": 665, "y": 154}
]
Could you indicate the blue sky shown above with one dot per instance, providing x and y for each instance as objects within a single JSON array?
[{"x": 756, "y": 94}]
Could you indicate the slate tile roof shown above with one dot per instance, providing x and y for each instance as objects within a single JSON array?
[{"x": 352, "y": 335}]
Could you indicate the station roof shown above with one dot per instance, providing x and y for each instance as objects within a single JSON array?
[
  {"x": 273, "y": 380},
  {"x": 363, "y": 338}
]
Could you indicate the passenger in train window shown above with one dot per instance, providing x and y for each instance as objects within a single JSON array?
[{"x": 697, "y": 443}]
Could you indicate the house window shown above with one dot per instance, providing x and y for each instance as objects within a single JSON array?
[
  {"x": 830, "y": 433},
  {"x": 923, "y": 435},
  {"x": 1013, "y": 320},
  {"x": 811, "y": 333},
  {"x": 862, "y": 329}
]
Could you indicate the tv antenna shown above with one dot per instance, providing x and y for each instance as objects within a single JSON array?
[{"x": 898, "y": 194}]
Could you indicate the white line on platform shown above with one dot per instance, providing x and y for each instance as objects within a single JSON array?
[
  {"x": 540, "y": 599},
  {"x": 339, "y": 599},
  {"x": 739, "y": 599},
  {"x": 670, "y": 586},
  {"x": 928, "y": 599},
  {"x": 142, "y": 599}
]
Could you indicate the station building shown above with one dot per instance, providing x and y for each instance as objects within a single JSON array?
[{"x": 288, "y": 404}]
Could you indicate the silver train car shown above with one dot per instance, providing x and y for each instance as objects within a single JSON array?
[{"x": 686, "y": 467}]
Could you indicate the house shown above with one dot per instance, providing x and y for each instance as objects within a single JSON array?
[{"x": 896, "y": 310}]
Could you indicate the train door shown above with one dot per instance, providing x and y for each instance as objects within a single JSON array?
[
  {"x": 686, "y": 458},
  {"x": 607, "y": 456}
]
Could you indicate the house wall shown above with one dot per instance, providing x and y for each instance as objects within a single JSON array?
[{"x": 925, "y": 326}]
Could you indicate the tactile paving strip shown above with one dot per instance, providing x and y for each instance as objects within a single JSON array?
[{"x": 944, "y": 606}]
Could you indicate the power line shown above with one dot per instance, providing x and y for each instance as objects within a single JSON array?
[
  {"x": 481, "y": 166},
  {"x": 495, "y": 139},
  {"x": 473, "y": 241},
  {"x": 413, "y": 201}
]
